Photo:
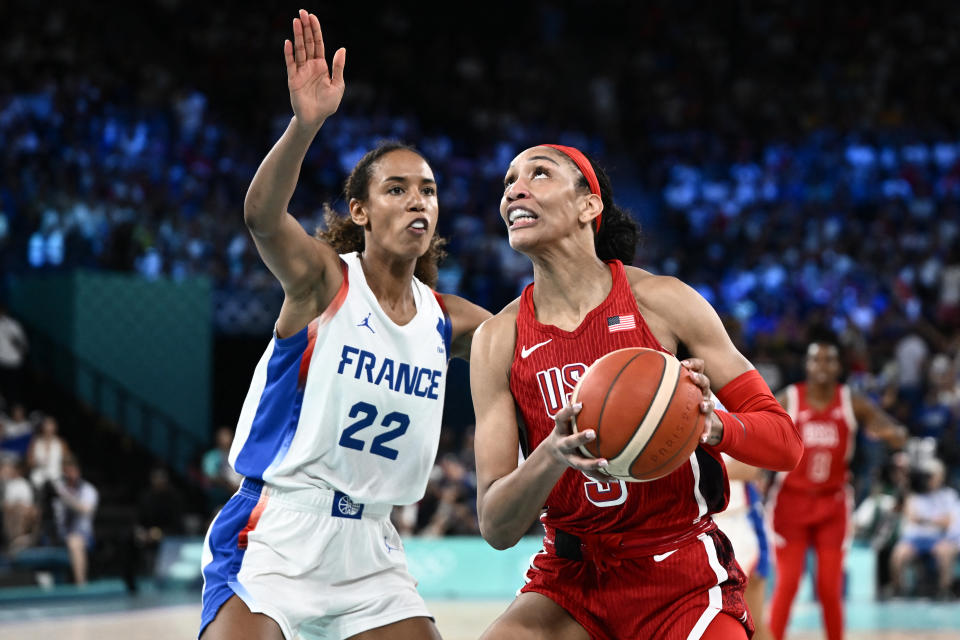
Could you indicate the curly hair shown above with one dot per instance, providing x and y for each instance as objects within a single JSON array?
[{"x": 345, "y": 236}]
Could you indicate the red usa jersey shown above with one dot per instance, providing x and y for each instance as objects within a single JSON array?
[
  {"x": 547, "y": 363},
  {"x": 828, "y": 434}
]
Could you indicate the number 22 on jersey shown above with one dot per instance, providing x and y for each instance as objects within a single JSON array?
[{"x": 367, "y": 414}]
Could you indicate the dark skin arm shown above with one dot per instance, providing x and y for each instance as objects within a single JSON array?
[
  {"x": 465, "y": 318},
  {"x": 878, "y": 423}
]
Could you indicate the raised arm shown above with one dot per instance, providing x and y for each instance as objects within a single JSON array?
[
  {"x": 510, "y": 496},
  {"x": 755, "y": 429},
  {"x": 305, "y": 266}
]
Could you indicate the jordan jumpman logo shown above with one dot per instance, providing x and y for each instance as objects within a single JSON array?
[{"x": 366, "y": 323}]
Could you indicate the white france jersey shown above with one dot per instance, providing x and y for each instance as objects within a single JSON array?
[{"x": 352, "y": 402}]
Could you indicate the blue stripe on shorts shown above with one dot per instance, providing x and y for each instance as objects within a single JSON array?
[
  {"x": 755, "y": 514},
  {"x": 227, "y": 555}
]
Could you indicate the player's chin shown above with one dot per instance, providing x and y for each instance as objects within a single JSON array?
[
  {"x": 522, "y": 240},
  {"x": 414, "y": 246}
]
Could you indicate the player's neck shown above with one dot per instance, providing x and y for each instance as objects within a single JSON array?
[
  {"x": 565, "y": 291},
  {"x": 389, "y": 280},
  {"x": 820, "y": 394}
]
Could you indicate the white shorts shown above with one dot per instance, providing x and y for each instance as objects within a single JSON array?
[
  {"x": 742, "y": 536},
  {"x": 310, "y": 559},
  {"x": 747, "y": 531}
]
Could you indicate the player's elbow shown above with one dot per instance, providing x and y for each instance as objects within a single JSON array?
[
  {"x": 254, "y": 212},
  {"x": 794, "y": 446},
  {"x": 498, "y": 538},
  {"x": 497, "y": 534}
]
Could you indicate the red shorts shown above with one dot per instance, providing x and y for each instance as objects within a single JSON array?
[
  {"x": 673, "y": 595},
  {"x": 815, "y": 520}
]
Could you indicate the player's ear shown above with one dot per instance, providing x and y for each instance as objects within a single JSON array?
[
  {"x": 590, "y": 207},
  {"x": 357, "y": 213}
]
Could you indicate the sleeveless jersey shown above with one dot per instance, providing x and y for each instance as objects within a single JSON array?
[
  {"x": 352, "y": 402},
  {"x": 828, "y": 435},
  {"x": 547, "y": 363}
]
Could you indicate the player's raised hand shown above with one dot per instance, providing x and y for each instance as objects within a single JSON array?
[
  {"x": 315, "y": 91},
  {"x": 564, "y": 445},
  {"x": 713, "y": 427}
]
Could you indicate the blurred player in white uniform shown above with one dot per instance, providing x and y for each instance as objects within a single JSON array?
[
  {"x": 744, "y": 524},
  {"x": 343, "y": 414}
]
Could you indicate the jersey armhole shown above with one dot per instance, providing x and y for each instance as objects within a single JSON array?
[
  {"x": 340, "y": 296},
  {"x": 447, "y": 330}
]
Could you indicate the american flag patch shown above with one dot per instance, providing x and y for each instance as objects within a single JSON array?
[{"x": 621, "y": 323}]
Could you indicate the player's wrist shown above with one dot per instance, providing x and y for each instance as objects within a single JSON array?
[
  {"x": 306, "y": 128},
  {"x": 716, "y": 430}
]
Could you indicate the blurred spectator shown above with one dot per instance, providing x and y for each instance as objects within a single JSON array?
[
  {"x": 948, "y": 449},
  {"x": 937, "y": 409},
  {"x": 944, "y": 384},
  {"x": 455, "y": 510},
  {"x": 20, "y": 515},
  {"x": 160, "y": 514},
  {"x": 45, "y": 459},
  {"x": 13, "y": 351},
  {"x": 948, "y": 309},
  {"x": 221, "y": 480},
  {"x": 46, "y": 454},
  {"x": 74, "y": 507},
  {"x": 16, "y": 431},
  {"x": 878, "y": 518},
  {"x": 930, "y": 527},
  {"x": 911, "y": 356}
]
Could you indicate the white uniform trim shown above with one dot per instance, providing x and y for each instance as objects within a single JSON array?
[
  {"x": 701, "y": 501},
  {"x": 715, "y": 594}
]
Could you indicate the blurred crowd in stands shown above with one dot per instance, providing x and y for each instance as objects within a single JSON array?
[{"x": 797, "y": 166}]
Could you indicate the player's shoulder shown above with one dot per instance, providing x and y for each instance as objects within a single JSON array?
[
  {"x": 504, "y": 321},
  {"x": 497, "y": 335},
  {"x": 661, "y": 293}
]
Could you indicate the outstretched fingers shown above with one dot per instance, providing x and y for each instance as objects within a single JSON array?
[
  {"x": 309, "y": 44},
  {"x": 339, "y": 60},
  {"x": 317, "y": 36},
  {"x": 299, "y": 52},
  {"x": 288, "y": 58}
]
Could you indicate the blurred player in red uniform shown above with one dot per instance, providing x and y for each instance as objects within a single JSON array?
[
  {"x": 620, "y": 560},
  {"x": 811, "y": 505}
]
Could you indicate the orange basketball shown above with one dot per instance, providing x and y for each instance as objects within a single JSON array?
[{"x": 645, "y": 409}]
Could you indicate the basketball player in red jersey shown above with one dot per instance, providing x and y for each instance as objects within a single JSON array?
[
  {"x": 638, "y": 560},
  {"x": 811, "y": 505}
]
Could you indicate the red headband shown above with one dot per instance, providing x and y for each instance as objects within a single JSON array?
[{"x": 585, "y": 168}]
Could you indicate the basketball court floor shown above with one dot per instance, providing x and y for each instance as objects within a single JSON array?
[{"x": 174, "y": 616}]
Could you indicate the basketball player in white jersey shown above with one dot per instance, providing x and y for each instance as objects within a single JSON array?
[
  {"x": 743, "y": 522},
  {"x": 343, "y": 414}
]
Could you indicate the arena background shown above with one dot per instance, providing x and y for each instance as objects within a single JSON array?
[{"x": 797, "y": 163}]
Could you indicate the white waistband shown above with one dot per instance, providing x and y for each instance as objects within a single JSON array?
[{"x": 314, "y": 500}]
